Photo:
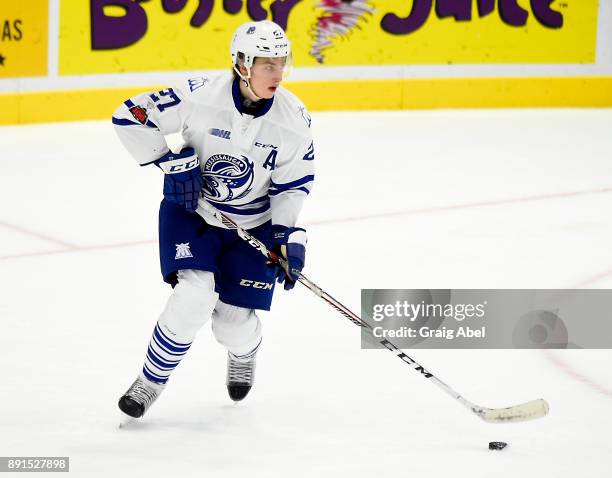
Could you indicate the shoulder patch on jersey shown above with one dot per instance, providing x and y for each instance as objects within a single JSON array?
[
  {"x": 305, "y": 115},
  {"x": 197, "y": 82},
  {"x": 139, "y": 113}
]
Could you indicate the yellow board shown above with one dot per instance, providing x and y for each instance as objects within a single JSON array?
[
  {"x": 23, "y": 38},
  {"x": 490, "y": 38},
  {"x": 89, "y": 104},
  {"x": 101, "y": 36}
]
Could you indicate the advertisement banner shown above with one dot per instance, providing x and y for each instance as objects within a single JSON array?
[
  {"x": 23, "y": 38},
  {"x": 112, "y": 36}
]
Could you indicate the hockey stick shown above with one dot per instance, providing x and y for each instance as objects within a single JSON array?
[{"x": 517, "y": 413}]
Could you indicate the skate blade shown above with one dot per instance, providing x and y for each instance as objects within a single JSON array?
[{"x": 125, "y": 420}]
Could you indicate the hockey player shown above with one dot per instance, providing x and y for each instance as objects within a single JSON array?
[{"x": 248, "y": 151}]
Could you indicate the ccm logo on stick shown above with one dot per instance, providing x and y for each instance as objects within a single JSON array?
[{"x": 256, "y": 284}]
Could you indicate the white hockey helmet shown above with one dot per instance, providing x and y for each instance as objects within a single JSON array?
[{"x": 259, "y": 39}]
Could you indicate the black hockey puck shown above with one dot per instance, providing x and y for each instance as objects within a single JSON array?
[{"x": 497, "y": 445}]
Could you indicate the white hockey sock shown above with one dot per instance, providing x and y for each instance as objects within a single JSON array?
[
  {"x": 248, "y": 356},
  {"x": 237, "y": 328},
  {"x": 189, "y": 307}
]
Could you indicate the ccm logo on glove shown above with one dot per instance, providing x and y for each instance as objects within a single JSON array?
[
  {"x": 171, "y": 163},
  {"x": 182, "y": 179}
]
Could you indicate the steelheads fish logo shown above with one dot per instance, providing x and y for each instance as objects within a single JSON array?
[{"x": 227, "y": 178}]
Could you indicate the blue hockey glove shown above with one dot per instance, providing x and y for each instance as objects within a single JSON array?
[
  {"x": 289, "y": 242},
  {"x": 182, "y": 178}
]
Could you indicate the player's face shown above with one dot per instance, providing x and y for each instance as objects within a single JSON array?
[{"x": 266, "y": 75}]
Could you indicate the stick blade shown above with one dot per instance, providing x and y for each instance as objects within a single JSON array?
[{"x": 518, "y": 413}]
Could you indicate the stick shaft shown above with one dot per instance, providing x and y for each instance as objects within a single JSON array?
[{"x": 486, "y": 414}]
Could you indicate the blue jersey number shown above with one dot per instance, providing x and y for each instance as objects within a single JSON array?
[
  {"x": 309, "y": 156},
  {"x": 168, "y": 92}
]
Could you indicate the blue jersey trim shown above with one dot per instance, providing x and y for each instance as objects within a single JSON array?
[
  {"x": 256, "y": 200},
  {"x": 237, "y": 96},
  {"x": 243, "y": 212},
  {"x": 123, "y": 122},
  {"x": 155, "y": 162},
  {"x": 292, "y": 184},
  {"x": 297, "y": 185},
  {"x": 259, "y": 199},
  {"x": 276, "y": 193},
  {"x": 127, "y": 122}
]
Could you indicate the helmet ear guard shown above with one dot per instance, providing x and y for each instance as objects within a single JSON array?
[
  {"x": 244, "y": 78},
  {"x": 240, "y": 61}
]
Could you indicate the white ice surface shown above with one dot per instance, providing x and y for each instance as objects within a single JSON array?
[{"x": 462, "y": 199}]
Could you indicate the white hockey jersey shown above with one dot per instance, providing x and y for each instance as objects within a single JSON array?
[{"x": 255, "y": 168}]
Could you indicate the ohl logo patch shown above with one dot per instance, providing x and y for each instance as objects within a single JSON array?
[{"x": 227, "y": 178}]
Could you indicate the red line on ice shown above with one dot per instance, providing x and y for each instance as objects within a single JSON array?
[
  {"x": 38, "y": 235},
  {"x": 495, "y": 202},
  {"x": 78, "y": 249},
  {"x": 568, "y": 370},
  {"x": 406, "y": 212}
]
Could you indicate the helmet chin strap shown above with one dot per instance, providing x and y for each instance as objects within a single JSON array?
[{"x": 246, "y": 81}]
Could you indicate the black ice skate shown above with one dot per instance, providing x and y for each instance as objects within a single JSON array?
[
  {"x": 240, "y": 374},
  {"x": 139, "y": 397}
]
